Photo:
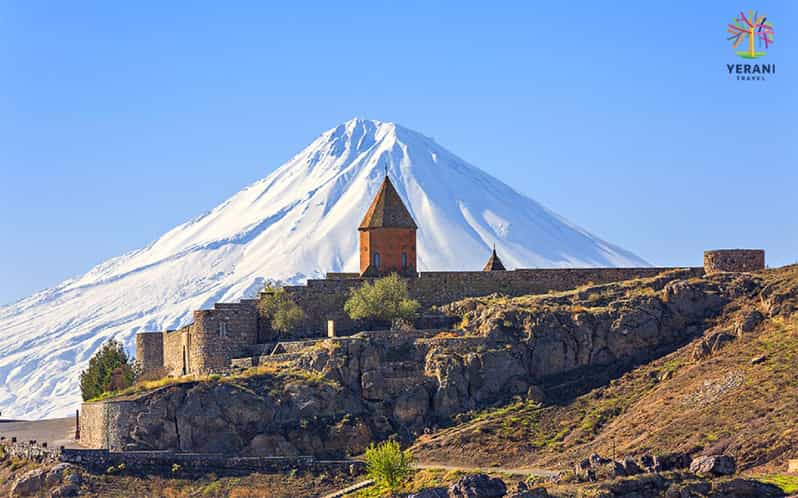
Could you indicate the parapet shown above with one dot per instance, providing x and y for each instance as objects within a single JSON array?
[{"x": 734, "y": 260}]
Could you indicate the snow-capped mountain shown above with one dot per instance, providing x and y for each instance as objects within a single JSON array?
[{"x": 299, "y": 222}]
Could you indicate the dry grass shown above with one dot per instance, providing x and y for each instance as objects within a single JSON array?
[
  {"x": 278, "y": 371},
  {"x": 671, "y": 404}
]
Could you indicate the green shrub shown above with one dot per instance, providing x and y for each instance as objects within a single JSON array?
[
  {"x": 280, "y": 310},
  {"x": 385, "y": 300},
  {"x": 387, "y": 465},
  {"x": 110, "y": 369}
]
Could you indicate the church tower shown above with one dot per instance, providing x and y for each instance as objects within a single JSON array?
[
  {"x": 387, "y": 235},
  {"x": 494, "y": 263}
]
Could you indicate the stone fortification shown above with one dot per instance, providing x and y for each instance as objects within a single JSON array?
[{"x": 734, "y": 260}]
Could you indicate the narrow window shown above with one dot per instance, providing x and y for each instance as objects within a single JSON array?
[
  {"x": 222, "y": 329},
  {"x": 377, "y": 260},
  {"x": 404, "y": 261}
]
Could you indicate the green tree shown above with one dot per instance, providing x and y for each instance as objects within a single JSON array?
[
  {"x": 110, "y": 369},
  {"x": 280, "y": 310},
  {"x": 385, "y": 300},
  {"x": 388, "y": 466}
]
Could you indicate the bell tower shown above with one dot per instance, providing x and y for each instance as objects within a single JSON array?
[{"x": 387, "y": 235}]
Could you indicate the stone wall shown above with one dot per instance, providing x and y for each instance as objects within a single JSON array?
[
  {"x": 92, "y": 425},
  {"x": 734, "y": 260},
  {"x": 24, "y": 450},
  {"x": 175, "y": 350},
  {"x": 324, "y": 300},
  {"x": 100, "y": 459},
  {"x": 221, "y": 334},
  {"x": 190, "y": 463},
  {"x": 439, "y": 288},
  {"x": 149, "y": 351}
]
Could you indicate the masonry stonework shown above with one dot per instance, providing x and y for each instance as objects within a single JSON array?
[
  {"x": 734, "y": 260},
  {"x": 93, "y": 424},
  {"x": 149, "y": 352}
]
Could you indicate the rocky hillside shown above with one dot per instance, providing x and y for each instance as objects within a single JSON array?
[
  {"x": 731, "y": 387},
  {"x": 333, "y": 397}
]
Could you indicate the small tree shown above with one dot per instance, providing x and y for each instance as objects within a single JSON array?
[
  {"x": 385, "y": 300},
  {"x": 282, "y": 312},
  {"x": 388, "y": 466},
  {"x": 110, "y": 369}
]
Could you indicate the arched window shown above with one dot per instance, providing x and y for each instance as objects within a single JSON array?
[
  {"x": 377, "y": 260},
  {"x": 404, "y": 260}
]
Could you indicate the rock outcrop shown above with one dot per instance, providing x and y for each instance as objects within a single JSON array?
[{"x": 335, "y": 396}]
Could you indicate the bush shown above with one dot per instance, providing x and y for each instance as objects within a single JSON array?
[
  {"x": 280, "y": 310},
  {"x": 110, "y": 369},
  {"x": 386, "y": 300},
  {"x": 387, "y": 465}
]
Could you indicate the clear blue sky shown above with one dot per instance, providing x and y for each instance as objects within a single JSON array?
[{"x": 119, "y": 120}]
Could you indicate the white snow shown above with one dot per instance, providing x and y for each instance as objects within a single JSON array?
[{"x": 299, "y": 222}]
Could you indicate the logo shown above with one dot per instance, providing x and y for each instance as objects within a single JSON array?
[{"x": 751, "y": 33}]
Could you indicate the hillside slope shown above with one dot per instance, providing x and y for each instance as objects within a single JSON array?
[
  {"x": 298, "y": 222},
  {"x": 733, "y": 389}
]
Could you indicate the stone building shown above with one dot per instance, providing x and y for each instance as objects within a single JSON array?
[{"x": 387, "y": 237}]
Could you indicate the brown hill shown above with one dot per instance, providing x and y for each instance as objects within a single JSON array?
[{"x": 733, "y": 387}]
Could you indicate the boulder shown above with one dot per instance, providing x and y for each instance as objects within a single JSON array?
[
  {"x": 64, "y": 491},
  {"x": 56, "y": 474},
  {"x": 630, "y": 467},
  {"x": 617, "y": 469},
  {"x": 691, "y": 490},
  {"x": 523, "y": 491},
  {"x": 596, "y": 459},
  {"x": 711, "y": 344},
  {"x": 744, "y": 488},
  {"x": 583, "y": 470},
  {"x": 30, "y": 483},
  {"x": 671, "y": 461},
  {"x": 719, "y": 465},
  {"x": 750, "y": 321},
  {"x": 478, "y": 486},
  {"x": 647, "y": 462}
]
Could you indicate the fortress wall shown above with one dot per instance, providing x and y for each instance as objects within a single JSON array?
[
  {"x": 211, "y": 346},
  {"x": 174, "y": 343},
  {"x": 734, "y": 260},
  {"x": 149, "y": 351},
  {"x": 324, "y": 300},
  {"x": 106, "y": 424},
  {"x": 438, "y": 288},
  {"x": 92, "y": 425}
]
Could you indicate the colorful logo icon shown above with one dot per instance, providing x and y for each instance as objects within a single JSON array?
[{"x": 752, "y": 28}]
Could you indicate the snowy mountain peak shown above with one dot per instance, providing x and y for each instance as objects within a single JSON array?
[{"x": 297, "y": 223}]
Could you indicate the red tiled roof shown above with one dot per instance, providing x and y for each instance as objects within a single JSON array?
[{"x": 387, "y": 210}]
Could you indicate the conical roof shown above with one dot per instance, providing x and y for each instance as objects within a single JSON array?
[
  {"x": 387, "y": 210},
  {"x": 494, "y": 263}
]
